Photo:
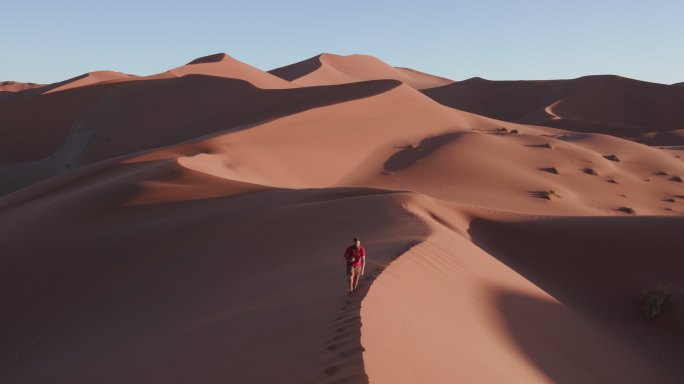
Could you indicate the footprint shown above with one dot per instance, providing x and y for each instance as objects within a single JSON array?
[
  {"x": 341, "y": 336},
  {"x": 333, "y": 347},
  {"x": 330, "y": 371},
  {"x": 351, "y": 352}
]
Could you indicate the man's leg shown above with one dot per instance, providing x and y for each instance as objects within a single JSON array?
[
  {"x": 357, "y": 276},
  {"x": 351, "y": 283}
]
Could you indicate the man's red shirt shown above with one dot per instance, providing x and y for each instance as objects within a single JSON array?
[{"x": 354, "y": 255}]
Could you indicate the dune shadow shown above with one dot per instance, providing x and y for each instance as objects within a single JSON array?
[
  {"x": 411, "y": 154},
  {"x": 657, "y": 138},
  {"x": 597, "y": 268},
  {"x": 570, "y": 348},
  {"x": 294, "y": 71}
]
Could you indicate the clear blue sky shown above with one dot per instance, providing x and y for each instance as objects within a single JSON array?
[{"x": 48, "y": 41}]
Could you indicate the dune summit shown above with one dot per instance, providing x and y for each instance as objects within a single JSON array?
[
  {"x": 328, "y": 69},
  {"x": 188, "y": 226}
]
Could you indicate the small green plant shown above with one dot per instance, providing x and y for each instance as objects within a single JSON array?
[
  {"x": 590, "y": 171},
  {"x": 655, "y": 301},
  {"x": 514, "y": 131},
  {"x": 612, "y": 158},
  {"x": 676, "y": 178}
]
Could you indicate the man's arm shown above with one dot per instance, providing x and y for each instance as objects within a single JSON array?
[{"x": 363, "y": 264}]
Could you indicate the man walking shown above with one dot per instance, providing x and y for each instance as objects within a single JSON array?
[{"x": 356, "y": 263}]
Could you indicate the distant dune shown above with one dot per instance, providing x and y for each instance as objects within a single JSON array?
[
  {"x": 598, "y": 104},
  {"x": 222, "y": 65},
  {"x": 15, "y": 86},
  {"x": 327, "y": 69},
  {"x": 188, "y": 226},
  {"x": 91, "y": 78}
]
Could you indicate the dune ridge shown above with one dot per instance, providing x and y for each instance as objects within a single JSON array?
[
  {"x": 223, "y": 65},
  {"x": 327, "y": 69}
]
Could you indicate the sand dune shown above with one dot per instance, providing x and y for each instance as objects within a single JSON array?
[
  {"x": 212, "y": 298},
  {"x": 15, "y": 86},
  {"x": 222, "y": 65},
  {"x": 479, "y": 292},
  {"x": 90, "y": 78},
  {"x": 12, "y": 89},
  {"x": 188, "y": 227},
  {"x": 326, "y": 69},
  {"x": 597, "y": 104},
  {"x": 105, "y": 121}
]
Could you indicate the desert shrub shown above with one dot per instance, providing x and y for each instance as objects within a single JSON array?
[
  {"x": 627, "y": 210},
  {"x": 553, "y": 170},
  {"x": 544, "y": 145},
  {"x": 546, "y": 195},
  {"x": 653, "y": 302},
  {"x": 612, "y": 158}
]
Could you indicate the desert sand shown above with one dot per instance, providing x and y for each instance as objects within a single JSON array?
[{"x": 189, "y": 226}]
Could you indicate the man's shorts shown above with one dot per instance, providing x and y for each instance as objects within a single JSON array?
[{"x": 353, "y": 270}]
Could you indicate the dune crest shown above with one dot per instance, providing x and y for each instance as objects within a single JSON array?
[
  {"x": 223, "y": 65},
  {"x": 326, "y": 69}
]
